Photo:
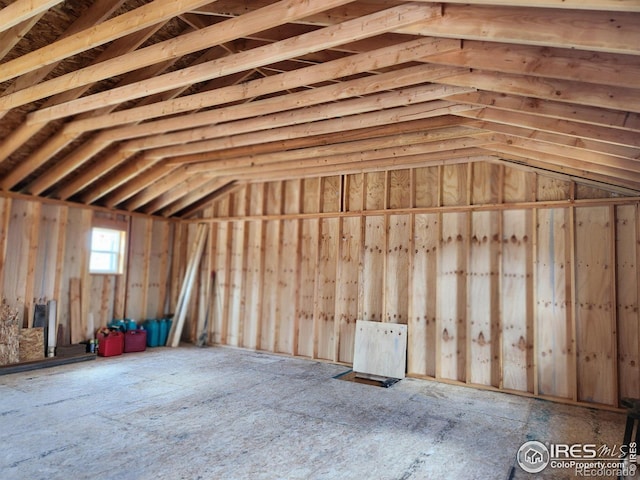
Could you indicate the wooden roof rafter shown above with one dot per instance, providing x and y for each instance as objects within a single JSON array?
[{"x": 155, "y": 113}]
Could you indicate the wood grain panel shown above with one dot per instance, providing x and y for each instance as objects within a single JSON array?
[
  {"x": 347, "y": 285},
  {"x": 594, "y": 306},
  {"x": 554, "y": 337},
  {"x": 326, "y": 285},
  {"x": 159, "y": 259},
  {"x": 550, "y": 188},
  {"x": 399, "y": 189},
  {"x": 454, "y": 184},
  {"x": 452, "y": 297},
  {"x": 628, "y": 330},
  {"x": 517, "y": 301},
  {"x": 483, "y": 310},
  {"x": 288, "y": 287},
  {"x": 375, "y": 193},
  {"x": 270, "y": 307},
  {"x": 221, "y": 299},
  {"x": 254, "y": 253},
  {"x": 236, "y": 297},
  {"x": 23, "y": 215},
  {"x": 50, "y": 236},
  {"x": 421, "y": 349},
  {"x": 331, "y": 194},
  {"x": 311, "y": 197},
  {"x": 373, "y": 268},
  {"x": 427, "y": 186},
  {"x": 292, "y": 196},
  {"x": 519, "y": 185},
  {"x": 138, "y": 268},
  {"x": 485, "y": 185},
  {"x": 76, "y": 264},
  {"x": 396, "y": 281},
  {"x": 355, "y": 192},
  {"x": 308, "y": 263},
  {"x": 256, "y": 198}
]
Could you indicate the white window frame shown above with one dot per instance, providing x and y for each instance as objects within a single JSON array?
[{"x": 118, "y": 252}]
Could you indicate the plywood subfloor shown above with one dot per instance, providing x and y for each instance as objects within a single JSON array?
[{"x": 227, "y": 413}]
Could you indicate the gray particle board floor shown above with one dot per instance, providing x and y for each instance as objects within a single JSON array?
[{"x": 221, "y": 413}]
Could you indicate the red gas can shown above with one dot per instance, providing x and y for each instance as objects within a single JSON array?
[
  {"x": 110, "y": 344},
  {"x": 135, "y": 341}
]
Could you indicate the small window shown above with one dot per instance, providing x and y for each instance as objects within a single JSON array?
[{"x": 107, "y": 251}]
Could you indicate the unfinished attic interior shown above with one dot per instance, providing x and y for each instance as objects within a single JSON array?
[{"x": 276, "y": 171}]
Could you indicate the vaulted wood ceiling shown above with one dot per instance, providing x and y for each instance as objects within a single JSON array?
[{"x": 157, "y": 106}]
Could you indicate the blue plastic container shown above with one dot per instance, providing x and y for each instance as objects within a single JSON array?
[
  {"x": 119, "y": 324},
  {"x": 165, "y": 328},
  {"x": 164, "y": 331},
  {"x": 130, "y": 324},
  {"x": 153, "y": 332}
]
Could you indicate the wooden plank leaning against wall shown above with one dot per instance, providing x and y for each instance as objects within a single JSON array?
[
  {"x": 496, "y": 271},
  {"x": 43, "y": 246}
]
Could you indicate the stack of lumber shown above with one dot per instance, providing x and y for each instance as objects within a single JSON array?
[{"x": 187, "y": 286}]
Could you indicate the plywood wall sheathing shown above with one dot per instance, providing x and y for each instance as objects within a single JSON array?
[
  {"x": 552, "y": 188},
  {"x": 324, "y": 312},
  {"x": 347, "y": 282},
  {"x": 483, "y": 297},
  {"x": 51, "y": 235},
  {"x": 375, "y": 194},
  {"x": 454, "y": 188},
  {"x": 451, "y": 349},
  {"x": 516, "y": 306},
  {"x": 427, "y": 186},
  {"x": 373, "y": 268},
  {"x": 311, "y": 195},
  {"x": 485, "y": 187},
  {"x": 396, "y": 280},
  {"x": 253, "y": 284},
  {"x": 288, "y": 287},
  {"x": 596, "y": 350},
  {"x": 331, "y": 194},
  {"x": 159, "y": 263},
  {"x": 519, "y": 185},
  {"x": 399, "y": 189},
  {"x": 238, "y": 243},
  {"x": 5, "y": 218},
  {"x": 554, "y": 336},
  {"x": 270, "y": 306},
  {"x": 628, "y": 328},
  {"x": 76, "y": 264},
  {"x": 354, "y": 192},
  {"x": 307, "y": 290},
  {"x": 102, "y": 299},
  {"x": 22, "y": 246},
  {"x": 421, "y": 348},
  {"x": 588, "y": 191},
  {"x": 140, "y": 245}
]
